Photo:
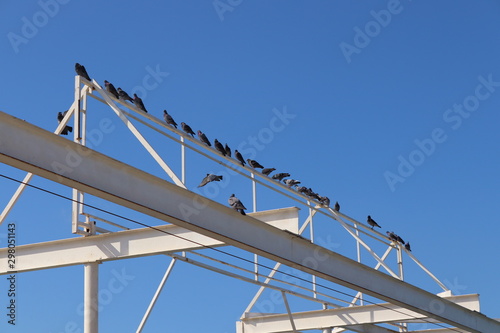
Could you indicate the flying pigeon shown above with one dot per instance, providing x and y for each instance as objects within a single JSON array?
[
  {"x": 210, "y": 178},
  {"x": 325, "y": 201},
  {"x": 238, "y": 156},
  {"x": 290, "y": 182},
  {"x": 203, "y": 138},
  {"x": 123, "y": 95},
  {"x": 228, "y": 150},
  {"x": 254, "y": 164},
  {"x": 219, "y": 147},
  {"x": 111, "y": 89},
  {"x": 236, "y": 204},
  {"x": 407, "y": 246},
  {"x": 267, "y": 171},
  {"x": 186, "y": 128},
  {"x": 168, "y": 119},
  {"x": 372, "y": 222},
  {"x": 80, "y": 70},
  {"x": 337, "y": 206},
  {"x": 280, "y": 176},
  {"x": 138, "y": 102},
  {"x": 66, "y": 129}
]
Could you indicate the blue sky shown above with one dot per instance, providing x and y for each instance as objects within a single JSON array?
[{"x": 389, "y": 107}]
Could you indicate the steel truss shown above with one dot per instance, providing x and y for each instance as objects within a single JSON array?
[{"x": 283, "y": 244}]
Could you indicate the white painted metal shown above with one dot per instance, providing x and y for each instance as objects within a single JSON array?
[
  {"x": 90, "y": 298},
  {"x": 30, "y": 148},
  {"x": 156, "y": 295},
  {"x": 342, "y": 317},
  {"x": 289, "y": 312},
  {"x": 123, "y": 244}
]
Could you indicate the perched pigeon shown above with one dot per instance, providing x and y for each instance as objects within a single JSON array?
[
  {"x": 186, "y": 128},
  {"x": 325, "y": 201},
  {"x": 337, "y": 207},
  {"x": 290, "y": 182},
  {"x": 372, "y": 222},
  {"x": 238, "y": 156},
  {"x": 66, "y": 129},
  {"x": 236, "y": 204},
  {"x": 168, "y": 119},
  {"x": 301, "y": 189},
  {"x": 203, "y": 138},
  {"x": 407, "y": 246},
  {"x": 228, "y": 150},
  {"x": 267, "y": 171},
  {"x": 123, "y": 95},
  {"x": 138, "y": 102},
  {"x": 313, "y": 195},
  {"x": 399, "y": 239},
  {"x": 111, "y": 89},
  {"x": 219, "y": 147},
  {"x": 254, "y": 164},
  {"x": 210, "y": 178},
  {"x": 392, "y": 236},
  {"x": 280, "y": 176},
  {"x": 80, "y": 70}
]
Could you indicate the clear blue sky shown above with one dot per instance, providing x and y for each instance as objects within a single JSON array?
[{"x": 393, "y": 110}]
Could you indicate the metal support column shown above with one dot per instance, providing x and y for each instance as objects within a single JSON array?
[{"x": 91, "y": 302}]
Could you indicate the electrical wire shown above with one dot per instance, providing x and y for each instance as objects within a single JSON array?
[{"x": 217, "y": 250}]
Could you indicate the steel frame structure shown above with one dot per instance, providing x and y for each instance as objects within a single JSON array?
[{"x": 284, "y": 244}]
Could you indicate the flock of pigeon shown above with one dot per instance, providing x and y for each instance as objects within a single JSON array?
[{"x": 225, "y": 150}]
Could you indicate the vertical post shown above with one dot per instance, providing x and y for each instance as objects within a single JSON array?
[
  {"x": 183, "y": 161},
  {"x": 91, "y": 303},
  {"x": 358, "y": 249},
  {"x": 400, "y": 260},
  {"x": 76, "y": 138},
  {"x": 311, "y": 232},
  {"x": 254, "y": 202}
]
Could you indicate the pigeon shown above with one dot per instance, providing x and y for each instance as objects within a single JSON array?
[
  {"x": 290, "y": 182},
  {"x": 238, "y": 156},
  {"x": 313, "y": 195},
  {"x": 138, "y": 102},
  {"x": 228, "y": 150},
  {"x": 254, "y": 164},
  {"x": 168, "y": 119},
  {"x": 210, "y": 178},
  {"x": 186, "y": 128},
  {"x": 236, "y": 204},
  {"x": 66, "y": 129},
  {"x": 203, "y": 138},
  {"x": 111, "y": 89},
  {"x": 267, "y": 171},
  {"x": 280, "y": 176},
  {"x": 325, "y": 201},
  {"x": 392, "y": 236},
  {"x": 399, "y": 239},
  {"x": 407, "y": 246},
  {"x": 301, "y": 189},
  {"x": 123, "y": 95},
  {"x": 337, "y": 206},
  {"x": 219, "y": 147},
  {"x": 372, "y": 222},
  {"x": 80, "y": 70}
]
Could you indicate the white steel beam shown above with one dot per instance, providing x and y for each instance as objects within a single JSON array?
[
  {"x": 33, "y": 149},
  {"x": 342, "y": 317},
  {"x": 125, "y": 244}
]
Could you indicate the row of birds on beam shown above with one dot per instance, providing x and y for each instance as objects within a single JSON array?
[{"x": 224, "y": 150}]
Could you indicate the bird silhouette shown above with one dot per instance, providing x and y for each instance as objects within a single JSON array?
[
  {"x": 267, "y": 171},
  {"x": 407, "y": 246},
  {"x": 186, "y": 128},
  {"x": 123, "y": 95},
  {"x": 290, "y": 182},
  {"x": 337, "y": 207},
  {"x": 280, "y": 176},
  {"x": 254, "y": 164},
  {"x": 111, "y": 89},
  {"x": 168, "y": 119},
  {"x": 228, "y": 150},
  {"x": 138, "y": 102},
  {"x": 372, "y": 222},
  {"x": 239, "y": 157},
  {"x": 210, "y": 178},
  {"x": 219, "y": 147},
  {"x": 66, "y": 129},
  {"x": 235, "y": 203},
  {"x": 203, "y": 138},
  {"x": 80, "y": 70}
]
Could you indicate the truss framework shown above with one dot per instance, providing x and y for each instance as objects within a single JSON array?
[{"x": 87, "y": 184}]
